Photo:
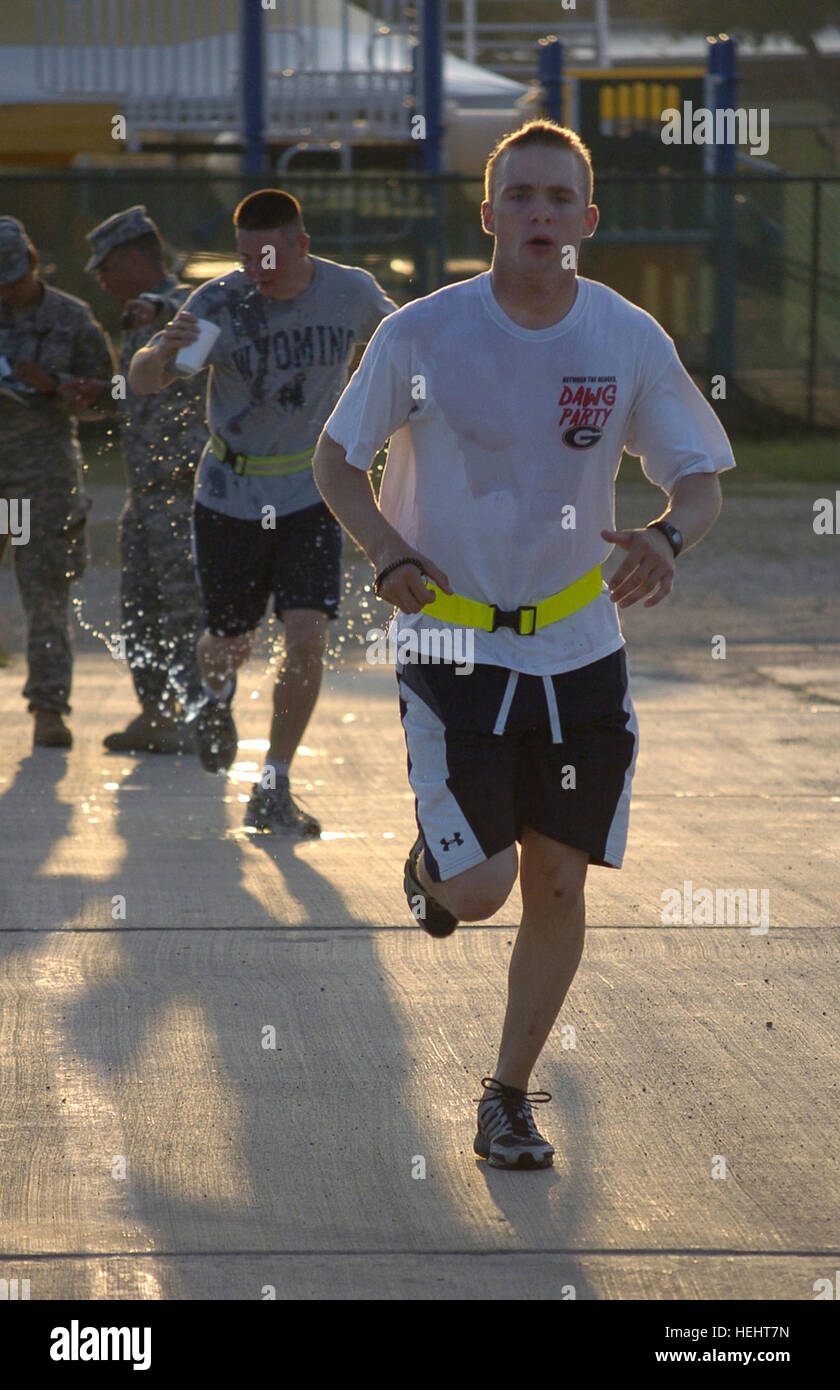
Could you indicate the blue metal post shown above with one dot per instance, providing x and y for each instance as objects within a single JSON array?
[
  {"x": 550, "y": 73},
  {"x": 431, "y": 38},
  {"x": 723, "y": 69},
  {"x": 430, "y": 65},
  {"x": 724, "y": 75},
  {"x": 252, "y": 86}
]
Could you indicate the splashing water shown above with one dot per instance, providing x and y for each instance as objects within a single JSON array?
[{"x": 346, "y": 640}]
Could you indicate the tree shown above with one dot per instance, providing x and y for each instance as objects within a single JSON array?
[
  {"x": 799, "y": 20},
  {"x": 755, "y": 19},
  {"x": 759, "y": 19}
]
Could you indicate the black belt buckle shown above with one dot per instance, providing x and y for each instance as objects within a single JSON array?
[{"x": 513, "y": 619}]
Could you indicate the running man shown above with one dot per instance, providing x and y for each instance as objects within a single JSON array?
[
  {"x": 289, "y": 322},
  {"x": 499, "y": 490}
]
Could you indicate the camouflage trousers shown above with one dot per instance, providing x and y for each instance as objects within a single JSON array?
[
  {"x": 160, "y": 605},
  {"x": 45, "y": 565}
]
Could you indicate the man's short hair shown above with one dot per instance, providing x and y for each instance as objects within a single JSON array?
[
  {"x": 540, "y": 133},
  {"x": 269, "y": 208},
  {"x": 149, "y": 245}
]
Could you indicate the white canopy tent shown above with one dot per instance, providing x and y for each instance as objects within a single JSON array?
[{"x": 333, "y": 72}]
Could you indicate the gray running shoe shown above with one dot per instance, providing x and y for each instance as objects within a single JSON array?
[
  {"x": 507, "y": 1136},
  {"x": 272, "y": 810},
  {"x": 216, "y": 739}
]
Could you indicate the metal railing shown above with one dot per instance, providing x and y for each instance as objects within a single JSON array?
[
  {"x": 333, "y": 71},
  {"x": 506, "y": 44}
]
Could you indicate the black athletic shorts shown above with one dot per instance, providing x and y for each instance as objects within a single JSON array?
[
  {"x": 240, "y": 565},
  {"x": 494, "y": 751}
]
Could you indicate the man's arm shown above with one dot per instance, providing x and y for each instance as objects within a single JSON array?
[
  {"x": 149, "y": 371},
  {"x": 90, "y": 369},
  {"x": 693, "y": 507},
  {"x": 348, "y": 493}
]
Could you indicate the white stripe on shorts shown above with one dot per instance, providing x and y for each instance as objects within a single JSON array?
[
  {"x": 553, "y": 712},
  {"x": 507, "y": 701},
  {"x": 617, "y": 835},
  {"x": 440, "y": 816}
]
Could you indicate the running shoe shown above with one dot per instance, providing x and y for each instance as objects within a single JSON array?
[
  {"x": 507, "y": 1136},
  {"x": 436, "y": 920},
  {"x": 216, "y": 738},
  {"x": 271, "y": 809}
]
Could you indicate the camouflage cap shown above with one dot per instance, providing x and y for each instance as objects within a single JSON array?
[
  {"x": 14, "y": 250},
  {"x": 123, "y": 226}
]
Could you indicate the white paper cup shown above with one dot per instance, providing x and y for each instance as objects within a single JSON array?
[{"x": 190, "y": 359}]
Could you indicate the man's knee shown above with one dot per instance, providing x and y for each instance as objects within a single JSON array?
[
  {"x": 46, "y": 605},
  {"x": 480, "y": 892},
  {"x": 552, "y": 874},
  {"x": 306, "y": 637},
  {"x": 305, "y": 651},
  {"x": 225, "y": 652}
]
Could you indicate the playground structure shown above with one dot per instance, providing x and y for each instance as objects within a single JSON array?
[
  {"x": 278, "y": 79},
  {"x": 300, "y": 74},
  {"x": 740, "y": 262}
]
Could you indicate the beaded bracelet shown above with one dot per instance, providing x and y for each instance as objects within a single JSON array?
[{"x": 383, "y": 574}]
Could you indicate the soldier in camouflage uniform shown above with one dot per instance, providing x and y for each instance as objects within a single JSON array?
[
  {"x": 54, "y": 359},
  {"x": 163, "y": 437}
]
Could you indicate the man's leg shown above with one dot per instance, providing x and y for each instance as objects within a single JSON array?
[
  {"x": 155, "y": 728},
  {"x": 299, "y": 681},
  {"x": 477, "y": 893},
  {"x": 232, "y": 565},
  {"x": 44, "y": 572},
  {"x": 180, "y": 621},
  {"x": 138, "y": 603},
  {"x": 233, "y": 577},
  {"x": 271, "y": 808},
  {"x": 545, "y": 958},
  {"x": 549, "y": 943},
  {"x": 219, "y": 658},
  {"x": 216, "y": 738}
]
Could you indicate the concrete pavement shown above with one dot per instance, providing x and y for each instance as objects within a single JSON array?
[{"x": 149, "y": 943}]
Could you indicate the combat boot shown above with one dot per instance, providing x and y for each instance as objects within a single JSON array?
[
  {"x": 149, "y": 732},
  {"x": 51, "y": 730}
]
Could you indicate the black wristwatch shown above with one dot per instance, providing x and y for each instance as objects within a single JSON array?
[{"x": 671, "y": 534}]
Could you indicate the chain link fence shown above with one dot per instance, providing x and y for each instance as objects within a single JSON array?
[{"x": 743, "y": 272}]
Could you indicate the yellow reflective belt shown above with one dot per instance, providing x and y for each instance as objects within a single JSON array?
[
  {"x": 267, "y": 465},
  {"x": 469, "y": 612}
]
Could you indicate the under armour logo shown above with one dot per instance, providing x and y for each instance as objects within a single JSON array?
[{"x": 456, "y": 840}]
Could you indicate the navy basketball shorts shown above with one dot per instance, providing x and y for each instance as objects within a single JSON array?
[
  {"x": 495, "y": 751},
  {"x": 240, "y": 566}
]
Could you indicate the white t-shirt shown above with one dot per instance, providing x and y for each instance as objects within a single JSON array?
[{"x": 498, "y": 431}]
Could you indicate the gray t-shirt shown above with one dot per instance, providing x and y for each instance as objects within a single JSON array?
[{"x": 276, "y": 371}]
